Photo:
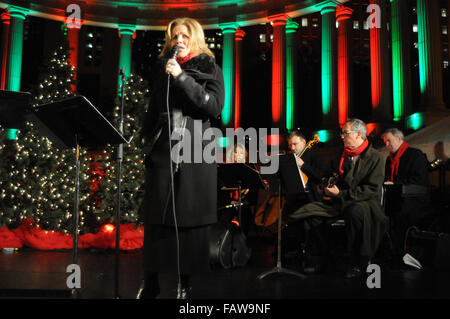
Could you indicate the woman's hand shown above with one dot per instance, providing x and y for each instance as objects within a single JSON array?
[{"x": 173, "y": 68}]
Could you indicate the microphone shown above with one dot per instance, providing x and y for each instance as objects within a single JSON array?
[{"x": 174, "y": 52}]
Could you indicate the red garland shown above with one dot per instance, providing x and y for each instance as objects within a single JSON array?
[{"x": 37, "y": 238}]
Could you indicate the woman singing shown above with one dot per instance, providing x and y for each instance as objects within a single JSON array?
[{"x": 178, "y": 241}]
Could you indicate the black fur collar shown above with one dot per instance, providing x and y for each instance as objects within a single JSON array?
[{"x": 202, "y": 63}]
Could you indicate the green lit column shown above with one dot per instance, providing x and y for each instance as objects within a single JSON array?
[
  {"x": 228, "y": 31},
  {"x": 14, "y": 59},
  {"x": 126, "y": 32},
  {"x": 328, "y": 70},
  {"x": 291, "y": 78},
  {"x": 430, "y": 54},
  {"x": 401, "y": 74}
]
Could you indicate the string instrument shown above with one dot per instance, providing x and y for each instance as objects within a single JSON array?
[
  {"x": 308, "y": 145},
  {"x": 328, "y": 182},
  {"x": 266, "y": 215}
]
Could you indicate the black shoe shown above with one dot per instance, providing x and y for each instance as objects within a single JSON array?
[
  {"x": 353, "y": 272},
  {"x": 185, "y": 293},
  {"x": 146, "y": 292}
]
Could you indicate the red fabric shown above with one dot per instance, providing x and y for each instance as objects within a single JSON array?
[
  {"x": 185, "y": 59},
  {"x": 355, "y": 152},
  {"x": 8, "y": 239},
  {"x": 395, "y": 160},
  {"x": 35, "y": 237}
]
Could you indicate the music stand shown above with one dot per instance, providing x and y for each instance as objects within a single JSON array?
[
  {"x": 75, "y": 122},
  {"x": 289, "y": 176},
  {"x": 13, "y": 106},
  {"x": 239, "y": 175}
]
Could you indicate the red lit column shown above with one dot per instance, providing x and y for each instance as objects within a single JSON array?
[
  {"x": 343, "y": 15},
  {"x": 5, "y": 39},
  {"x": 278, "y": 70},
  {"x": 379, "y": 61},
  {"x": 237, "y": 77},
  {"x": 73, "y": 31}
]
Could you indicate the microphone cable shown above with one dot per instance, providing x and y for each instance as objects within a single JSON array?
[{"x": 169, "y": 127}]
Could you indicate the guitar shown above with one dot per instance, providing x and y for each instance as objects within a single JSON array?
[{"x": 328, "y": 182}]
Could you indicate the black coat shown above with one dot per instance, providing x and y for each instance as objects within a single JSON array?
[
  {"x": 314, "y": 167},
  {"x": 412, "y": 169},
  {"x": 408, "y": 210},
  {"x": 199, "y": 93}
]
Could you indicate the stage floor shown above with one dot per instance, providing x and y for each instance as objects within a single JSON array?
[{"x": 42, "y": 274}]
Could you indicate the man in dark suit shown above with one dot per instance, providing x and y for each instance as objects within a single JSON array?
[
  {"x": 355, "y": 197},
  {"x": 407, "y": 166},
  {"x": 311, "y": 166}
]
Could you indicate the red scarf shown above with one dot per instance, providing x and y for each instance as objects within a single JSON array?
[
  {"x": 185, "y": 59},
  {"x": 349, "y": 152},
  {"x": 395, "y": 160}
]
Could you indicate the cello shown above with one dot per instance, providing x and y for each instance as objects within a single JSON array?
[{"x": 267, "y": 215}]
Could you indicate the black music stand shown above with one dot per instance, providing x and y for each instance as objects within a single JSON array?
[
  {"x": 288, "y": 176},
  {"x": 75, "y": 122},
  {"x": 13, "y": 106},
  {"x": 239, "y": 175}
]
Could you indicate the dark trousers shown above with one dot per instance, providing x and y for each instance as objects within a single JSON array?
[
  {"x": 409, "y": 212},
  {"x": 354, "y": 219}
]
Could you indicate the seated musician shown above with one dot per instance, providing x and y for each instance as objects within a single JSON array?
[
  {"x": 312, "y": 167},
  {"x": 407, "y": 166},
  {"x": 356, "y": 197},
  {"x": 238, "y": 154}
]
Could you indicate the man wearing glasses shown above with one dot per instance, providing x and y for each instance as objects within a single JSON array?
[{"x": 355, "y": 197}]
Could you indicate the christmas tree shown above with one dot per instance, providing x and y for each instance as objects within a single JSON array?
[
  {"x": 132, "y": 173},
  {"x": 37, "y": 178}
]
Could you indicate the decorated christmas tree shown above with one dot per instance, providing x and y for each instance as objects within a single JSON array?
[
  {"x": 132, "y": 173},
  {"x": 38, "y": 178}
]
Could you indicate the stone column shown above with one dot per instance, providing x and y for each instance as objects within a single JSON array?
[
  {"x": 329, "y": 85},
  {"x": 237, "y": 77},
  {"x": 73, "y": 31},
  {"x": 430, "y": 54},
  {"x": 379, "y": 61},
  {"x": 291, "y": 74},
  {"x": 228, "y": 31},
  {"x": 6, "y": 20},
  {"x": 401, "y": 74},
  {"x": 343, "y": 15},
  {"x": 126, "y": 32},
  {"x": 278, "y": 70}
]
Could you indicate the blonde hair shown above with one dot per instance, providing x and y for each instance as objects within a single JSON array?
[
  {"x": 234, "y": 149},
  {"x": 197, "y": 43}
]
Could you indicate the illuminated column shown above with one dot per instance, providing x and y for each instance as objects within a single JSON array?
[
  {"x": 6, "y": 19},
  {"x": 237, "y": 78},
  {"x": 73, "y": 31},
  {"x": 328, "y": 70},
  {"x": 228, "y": 31},
  {"x": 379, "y": 61},
  {"x": 278, "y": 70},
  {"x": 14, "y": 69},
  {"x": 126, "y": 32},
  {"x": 401, "y": 74},
  {"x": 430, "y": 53},
  {"x": 343, "y": 15},
  {"x": 291, "y": 67},
  {"x": 14, "y": 59}
]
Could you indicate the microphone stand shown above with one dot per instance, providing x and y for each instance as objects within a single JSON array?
[{"x": 119, "y": 176}]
